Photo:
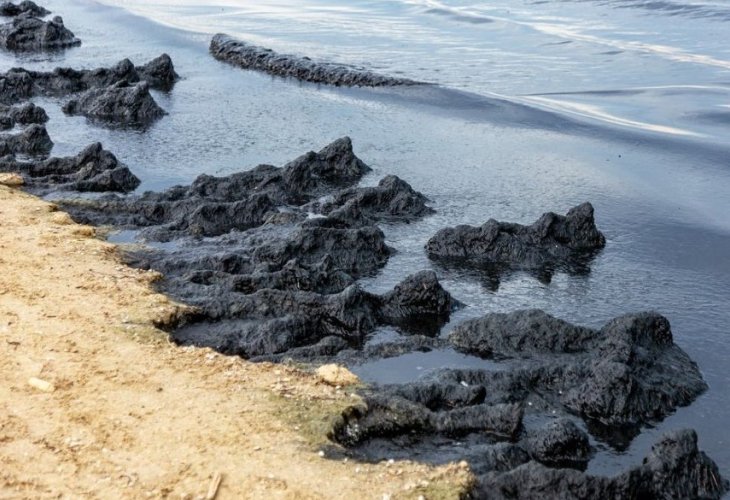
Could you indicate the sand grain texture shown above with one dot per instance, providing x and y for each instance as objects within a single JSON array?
[{"x": 131, "y": 415}]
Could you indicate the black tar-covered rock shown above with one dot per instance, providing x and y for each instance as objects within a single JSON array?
[
  {"x": 19, "y": 84},
  {"x": 392, "y": 197},
  {"x": 628, "y": 373},
  {"x": 92, "y": 170},
  {"x": 28, "y": 7},
  {"x": 122, "y": 103},
  {"x": 159, "y": 73},
  {"x": 267, "y": 276},
  {"x": 247, "y": 56},
  {"x": 560, "y": 443},
  {"x": 213, "y": 206},
  {"x": 674, "y": 468},
  {"x": 274, "y": 321},
  {"x": 525, "y": 333},
  {"x": 552, "y": 242},
  {"x": 23, "y": 114},
  {"x": 33, "y": 141},
  {"x": 28, "y": 33}
]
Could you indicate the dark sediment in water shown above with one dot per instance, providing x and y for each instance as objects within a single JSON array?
[
  {"x": 247, "y": 56},
  {"x": 552, "y": 242},
  {"x": 27, "y": 33}
]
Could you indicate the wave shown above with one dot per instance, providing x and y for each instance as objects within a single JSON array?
[
  {"x": 459, "y": 16},
  {"x": 570, "y": 31},
  {"x": 702, "y": 10},
  {"x": 665, "y": 51},
  {"x": 586, "y": 121}
]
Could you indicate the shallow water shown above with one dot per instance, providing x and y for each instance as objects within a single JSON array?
[
  {"x": 649, "y": 65},
  {"x": 479, "y": 146}
]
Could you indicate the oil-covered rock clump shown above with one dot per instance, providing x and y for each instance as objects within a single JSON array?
[
  {"x": 33, "y": 141},
  {"x": 122, "y": 102},
  {"x": 674, "y": 468},
  {"x": 625, "y": 375},
  {"x": 28, "y": 32},
  {"x": 271, "y": 256},
  {"x": 554, "y": 242},
  {"x": 247, "y": 56},
  {"x": 610, "y": 381},
  {"x": 27, "y": 7},
  {"x": 118, "y": 95},
  {"x": 24, "y": 114},
  {"x": 18, "y": 84},
  {"x": 93, "y": 170}
]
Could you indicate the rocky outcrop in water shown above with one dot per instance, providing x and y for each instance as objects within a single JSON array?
[
  {"x": 392, "y": 197},
  {"x": 617, "y": 379},
  {"x": 246, "y": 56},
  {"x": 213, "y": 206},
  {"x": 272, "y": 321},
  {"x": 268, "y": 277},
  {"x": 392, "y": 417},
  {"x": 122, "y": 103},
  {"x": 441, "y": 421},
  {"x": 559, "y": 443},
  {"x": 9, "y": 9},
  {"x": 675, "y": 468},
  {"x": 19, "y": 84},
  {"x": 552, "y": 242},
  {"x": 521, "y": 334},
  {"x": 159, "y": 73},
  {"x": 28, "y": 33},
  {"x": 33, "y": 141},
  {"x": 92, "y": 170},
  {"x": 627, "y": 374},
  {"x": 24, "y": 114}
]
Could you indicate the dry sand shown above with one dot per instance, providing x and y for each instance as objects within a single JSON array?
[{"x": 96, "y": 403}]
